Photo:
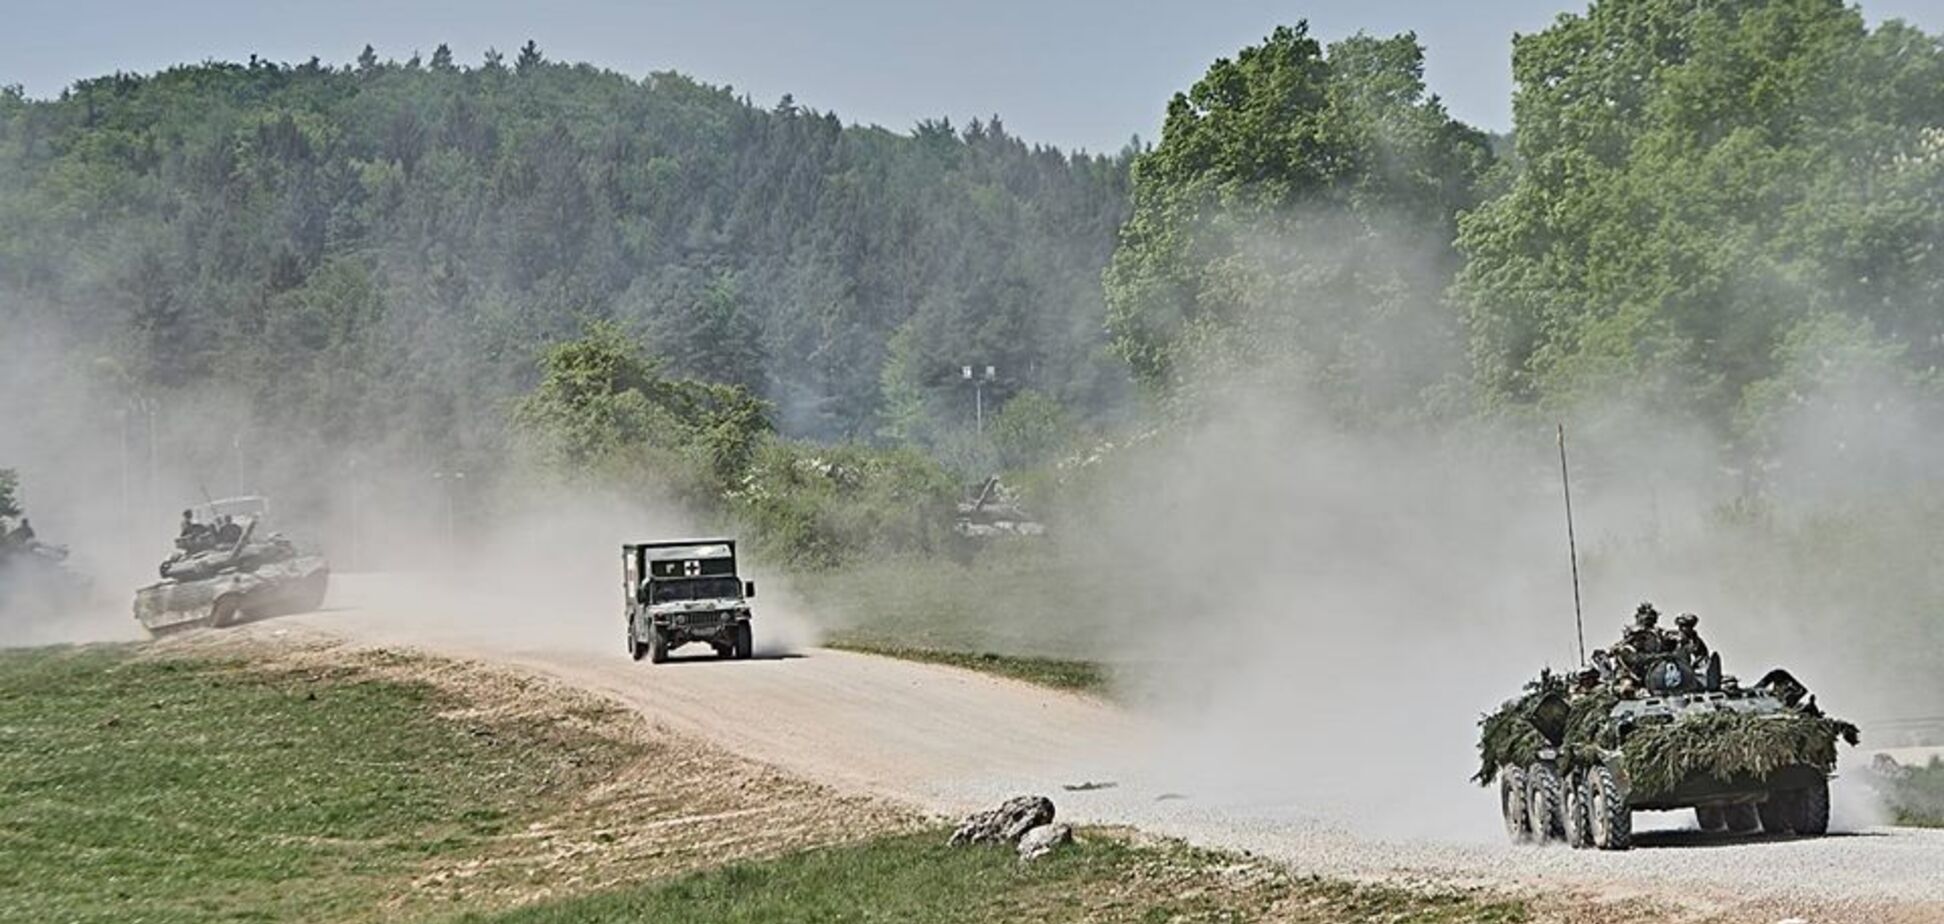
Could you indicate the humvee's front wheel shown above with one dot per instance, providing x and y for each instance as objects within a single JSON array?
[
  {"x": 636, "y": 649},
  {"x": 657, "y": 646},
  {"x": 745, "y": 644}
]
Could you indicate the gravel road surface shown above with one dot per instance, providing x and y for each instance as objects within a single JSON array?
[{"x": 948, "y": 741}]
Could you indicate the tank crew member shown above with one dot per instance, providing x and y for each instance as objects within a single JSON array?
[{"x": 228, "y": 531}]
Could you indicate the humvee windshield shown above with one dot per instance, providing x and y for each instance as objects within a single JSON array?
[{"x": 708, "y": 588}]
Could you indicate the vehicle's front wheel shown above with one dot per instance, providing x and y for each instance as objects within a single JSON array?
[
  {"x": 657, "y": 646},
  {"x": 1545, "y": 795},
  {"x": 1579, "y": 826},
  {"x": 1606, "y": 809},
  {"x": 636, "y": 649},
  {"x": 1512, "y": 803},
  {"x": 745, "y": 644}
]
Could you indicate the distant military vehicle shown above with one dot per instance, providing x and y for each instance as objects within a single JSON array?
[
  {"x": 685, "y": 591},
  {"x": 34, "y": 577},
  {"x": 1573, "y": 761},
  {"x": 991, "y": 511},
  {"x": 223, "y": 573}
]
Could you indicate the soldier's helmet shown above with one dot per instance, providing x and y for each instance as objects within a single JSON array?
[
  {"x": 1646, "y": 616},
  {"x": 1687, "y": 620},
  {"x": 1588, "y": 675}
]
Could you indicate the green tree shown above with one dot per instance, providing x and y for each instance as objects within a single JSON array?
[
  {"x": 1029, "y": 430},
  {"x": 1298, "y": 212},
  {"x": 1698, "y": 180},
  {"x": 9, "y": 486}
]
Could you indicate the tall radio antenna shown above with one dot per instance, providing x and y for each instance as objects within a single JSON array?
[{"x": 1572, "y": 546}]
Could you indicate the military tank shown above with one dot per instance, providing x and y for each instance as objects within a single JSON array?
[
  {"x": 35, "y": 577},
  {"x": 224, "y": 581},
  {"x": 1573, "y": 761}
]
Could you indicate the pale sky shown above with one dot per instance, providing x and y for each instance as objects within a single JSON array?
[{"x": 1077, "y": 73}]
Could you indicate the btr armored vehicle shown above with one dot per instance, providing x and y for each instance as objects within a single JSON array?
[
  {"x": 1574, "y": 760},
  {"x": 685, "y": 591},
  {"x": 229, "y": 568}
]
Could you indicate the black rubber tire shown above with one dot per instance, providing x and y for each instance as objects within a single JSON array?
[
  {"x": 1606, "y": 807},
  {"x": 1711, "y": 817},
  {"x": 636, "y": 649},
  {"x": 1579, "y": 828},
  {"x": 657, "y": 647},
  {"x": 1545, "y": 803},
  {"x": 1812, "y": 810},
  {"x": 1742, "y": 818},
  {"x": 1512, "y": 803},
  {"x": 1778, "y": 814},
  {"x": 745, "y": 644}
]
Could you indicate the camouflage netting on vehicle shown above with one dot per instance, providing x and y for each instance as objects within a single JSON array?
[
  {"x": 1505, "y": 737},
  {"x": 1730, "y": 745}
]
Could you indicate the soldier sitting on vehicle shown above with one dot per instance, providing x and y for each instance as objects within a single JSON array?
[
  {"x": 194, "y": 537},
  {"x": 1640, "y": 642},
  {"x": 22, "y": 535},
  {"x": 228, "y": 531},
  {"x": 1687, "y": 638}
]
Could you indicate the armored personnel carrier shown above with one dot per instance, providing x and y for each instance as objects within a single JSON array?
[
  {"x": 220, "y": 577},
  {"x": 1574, "y": 760},
  {"x": 685, "y": 591}
]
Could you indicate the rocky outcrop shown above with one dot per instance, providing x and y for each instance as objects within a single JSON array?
[
  {"x": 1043, "y": 840},
  {"x": 1005, "y": 824}
]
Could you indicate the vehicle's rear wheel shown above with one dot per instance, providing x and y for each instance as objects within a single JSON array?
[
  {"x": 1512, "y": 803},
  {"x": 745, "y": 644},
  {"x": 1606, "y": 808},
  {"x": 657, "y": 646},
  {"x": 1711, "y": 817},
  {"x": 1812, "y": 810},
  {"x": 1742, "y": 818},
  {"x": 1579, "y": 827},
  {"x": 1544, "y": 797}
]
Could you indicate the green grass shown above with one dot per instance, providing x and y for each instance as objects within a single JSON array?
[
  {"x": 163, "y": 790},
  {"x": 914, "y": 879},
  {"x": 1081, "y": 676}
]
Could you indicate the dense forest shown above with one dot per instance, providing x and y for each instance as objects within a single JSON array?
[
  {"x": 387, "y": 244},
  {"x": 1728, "y": 212}
]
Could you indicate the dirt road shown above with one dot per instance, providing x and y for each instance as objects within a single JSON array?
[{"x": 947, "y": 740}]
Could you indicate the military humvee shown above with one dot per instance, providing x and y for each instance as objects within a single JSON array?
[
  {"x": 1574, "y": 765},
  {"x": 685, "y": 591}
]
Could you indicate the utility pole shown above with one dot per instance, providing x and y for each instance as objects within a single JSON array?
[{"x": 979, "y": 383}]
